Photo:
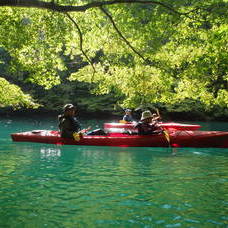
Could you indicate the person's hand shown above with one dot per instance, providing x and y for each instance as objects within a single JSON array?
[{"x": 76, "y": 136}]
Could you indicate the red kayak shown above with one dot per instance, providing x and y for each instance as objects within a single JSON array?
[
  {"x": 117, "y": 127},
  {"x": 175, "y": 139}
]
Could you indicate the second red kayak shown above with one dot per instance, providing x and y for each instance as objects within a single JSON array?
[{"x": 171, "y": 126}]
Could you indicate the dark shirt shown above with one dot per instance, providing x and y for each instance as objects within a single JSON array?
[
  {"x": 146, "y": 128},
  {"x": 68, "y": 125},
  {"x": 128, "y": 118}
]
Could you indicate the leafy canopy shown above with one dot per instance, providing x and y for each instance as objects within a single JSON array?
[
  {"x": 184, "y": 54},
  {"x": 12, "y": 95}
]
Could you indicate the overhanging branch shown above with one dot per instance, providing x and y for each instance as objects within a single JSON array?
[
  {"x": 69, "y": 8},
  {"x": 81, "y": 42},
  {"x": 120, "y": 34}
]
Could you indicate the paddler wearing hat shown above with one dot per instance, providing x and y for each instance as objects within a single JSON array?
[
  {"x": 128, "y": 115},
  {"x": 146, "y": 125},
  {"x": 68, "y": 123}
]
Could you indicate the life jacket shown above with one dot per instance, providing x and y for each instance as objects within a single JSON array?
[
  {"x": 68, "y": 125},
  {"x": 146, "y": 128}
]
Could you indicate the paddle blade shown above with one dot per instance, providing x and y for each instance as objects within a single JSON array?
[{"x": 166, "y": 134}]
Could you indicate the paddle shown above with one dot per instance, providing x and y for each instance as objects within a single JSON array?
[
  {"x": 78, "y": 135},
  {"x": 167, "y": 136},
  {"x": 166, "y": 133}
]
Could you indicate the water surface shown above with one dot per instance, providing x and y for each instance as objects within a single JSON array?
[{"x": 45, "y": 185}]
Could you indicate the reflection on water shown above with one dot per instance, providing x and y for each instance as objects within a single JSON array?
[
  {"x": 50, "y": 153},
  {"x": 75, "y": 186}
]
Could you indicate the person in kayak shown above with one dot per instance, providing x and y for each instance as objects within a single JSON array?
[
  {"x": 68, "y": 123},
  {"x": 156, "y": 118},
  {"x": 146, "y": 125},
  {"x": 128, "y": 116}
]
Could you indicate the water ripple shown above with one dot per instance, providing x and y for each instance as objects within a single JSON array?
[{"x": 53, "y": 186}]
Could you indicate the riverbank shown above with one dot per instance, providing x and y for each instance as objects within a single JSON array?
[
  {"x": 38, "y": 113},
  {"x": 117, "y": 114}
]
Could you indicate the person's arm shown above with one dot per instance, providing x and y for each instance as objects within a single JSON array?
[
  {"x": 138, "y": 126},
  {"x": 59, "y": 121},
  {"x": 76, "y": 125},
  {"x": 78, "y": 128}
]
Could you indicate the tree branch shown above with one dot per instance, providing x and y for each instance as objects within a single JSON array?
[
  {"x": 69, "y": 8},
  {"x": 120, "y": 34},
  {"x": 81, "y": 42}
]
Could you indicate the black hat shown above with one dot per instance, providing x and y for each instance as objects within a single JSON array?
[{"x": 68, "y": 107}]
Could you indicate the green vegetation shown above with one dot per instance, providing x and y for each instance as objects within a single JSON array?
[
  {"x": 171, "y": 54},
  {"x": 12, "y": 95}
]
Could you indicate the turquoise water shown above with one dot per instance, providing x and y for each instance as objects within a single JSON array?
[{"x": 45, "y": 185}]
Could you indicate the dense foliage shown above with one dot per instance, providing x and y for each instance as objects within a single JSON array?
[
  {"x": 11, "y": 94},
  {"x": 174, "y": 57}
]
